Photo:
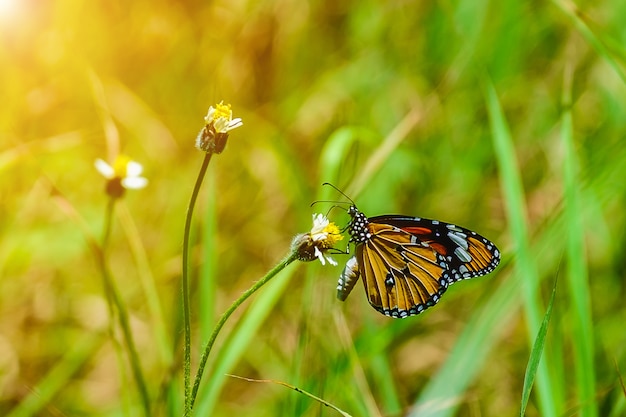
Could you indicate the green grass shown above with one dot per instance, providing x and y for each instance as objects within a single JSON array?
[
  {"x": 536, "y": 353},
  {"x": 505, "y": 117},
  {"x": 526, "y": 269}
]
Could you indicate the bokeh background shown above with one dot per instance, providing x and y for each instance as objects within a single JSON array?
[{"x": 505, "y": 117}]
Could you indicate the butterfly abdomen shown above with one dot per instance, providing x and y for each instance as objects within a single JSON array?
[{"x": 348, "y": 278}]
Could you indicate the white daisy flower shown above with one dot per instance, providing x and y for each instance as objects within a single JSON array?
[
  {"x": 123, "y": 174},
  {"x": 315, "y": 244}
]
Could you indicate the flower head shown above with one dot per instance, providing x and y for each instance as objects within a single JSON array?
[
  {"x": 316, "y": 243},
  {"x": 218, "y": 122},
  {"x": 123, "y": 174}
]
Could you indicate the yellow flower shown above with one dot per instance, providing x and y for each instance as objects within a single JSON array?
[
  {"x": 316, "y": 243},
  {"x": 218, "y": 122},
  {"x": 123, "y": 174}
]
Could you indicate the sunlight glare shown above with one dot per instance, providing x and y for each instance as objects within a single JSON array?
[{"x": 8, "y": 9}]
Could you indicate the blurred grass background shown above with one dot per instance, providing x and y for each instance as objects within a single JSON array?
[{"x": 505, "y": 117}]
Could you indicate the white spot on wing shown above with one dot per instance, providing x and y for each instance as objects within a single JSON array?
[
  {"x": 462, "y": 255},
  {"x": 459, "y": 239}
]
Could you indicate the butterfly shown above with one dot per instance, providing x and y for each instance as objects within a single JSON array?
[{"x": 407, "y": 263}]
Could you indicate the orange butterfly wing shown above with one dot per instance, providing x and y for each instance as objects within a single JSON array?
[{"x": 402, "y": 276}]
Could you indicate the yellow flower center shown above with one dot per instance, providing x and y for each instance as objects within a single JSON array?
[
  {"x": 222, "y": 110},
  {"x": 120, "y": 166},
  {"x": 334, "y": 235}
]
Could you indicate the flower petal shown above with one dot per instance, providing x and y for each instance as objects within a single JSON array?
[
  {"x": 319, "y": 223},
  {"x": 133, "y": 169},
  {"x": 209, "y": 115},
  {"x": 221, "y": 125},
  {"x": 235, "y": 123},
  {"x": 331, "y": 261},
  {"x": 105, "y": 169},
  {"x": 320, "y": 256},
  {"x": 134, "y": 183}
]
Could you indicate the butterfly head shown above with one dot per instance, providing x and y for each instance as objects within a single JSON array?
[{"x": 357, "y": 228}]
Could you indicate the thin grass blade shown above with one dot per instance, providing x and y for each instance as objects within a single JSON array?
[
  {"x": 300, "y": 390},
  {"x": 536, "y": 353},
  {"x": 526, "y": 270}
]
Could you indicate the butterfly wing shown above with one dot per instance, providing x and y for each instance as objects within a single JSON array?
[
  {"x": 468, "y": 254},
  {"x": 408, "y": 263},
  {"x": 401, "y": 276}
]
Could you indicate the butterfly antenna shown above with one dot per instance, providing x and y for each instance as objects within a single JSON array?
[
  {"x": 335, "y": 205},
  {"x": 335, "y": 202},
  {"x": 341, "y": 192}
]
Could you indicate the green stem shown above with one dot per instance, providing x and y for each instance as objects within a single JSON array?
[
  {"x": 185, "y": 279},
  {"x": 148, "y": 284},
  {"x": 106, "y": 232},
  {"x": 227, "y": 314},
  {"x": 101, "y": 253},
  {"x": 112, "y": 292}
]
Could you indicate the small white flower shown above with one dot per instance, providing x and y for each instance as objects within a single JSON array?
[
  {"x": 221, "y": 117},
  {"x": 123, "y": 174},
  {"x": 316, "y": 243},
  {"x": 218, "y": 122}
]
